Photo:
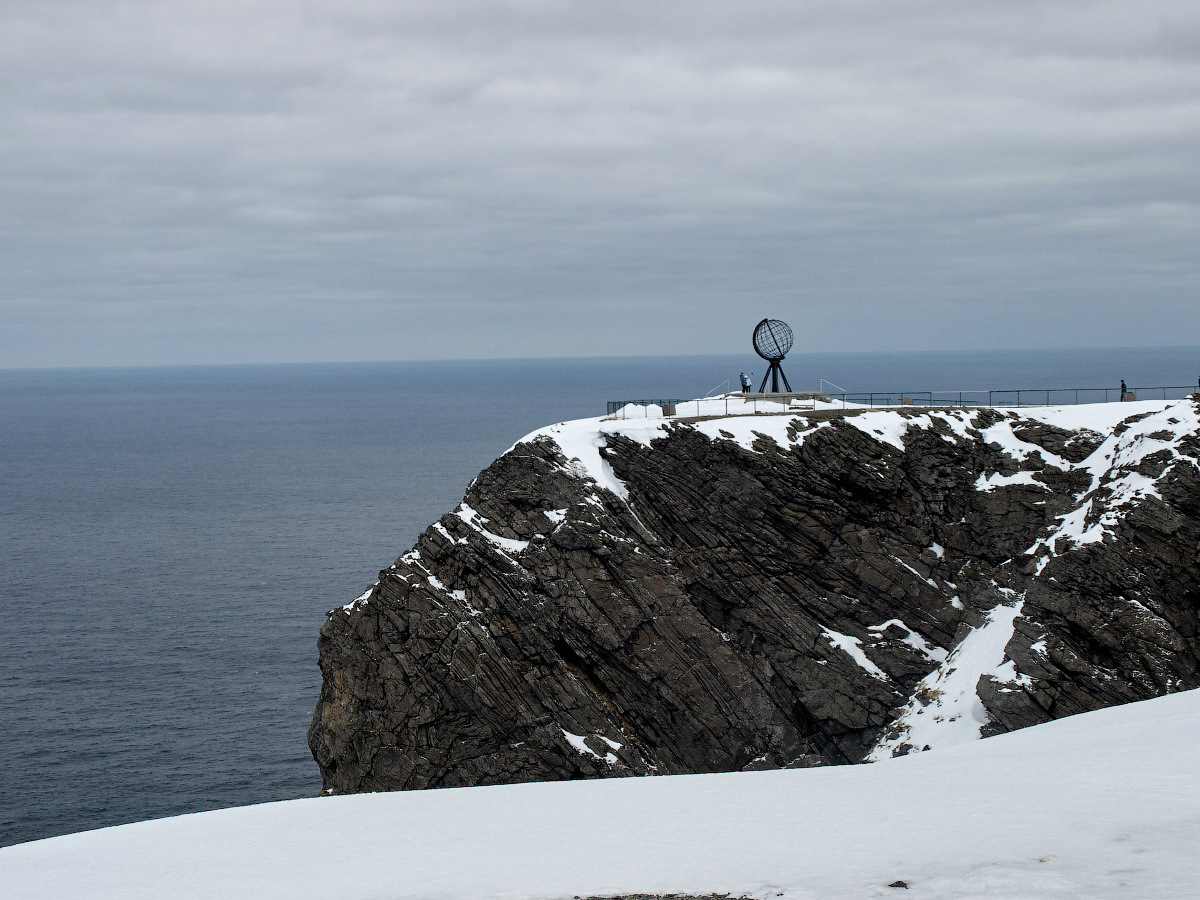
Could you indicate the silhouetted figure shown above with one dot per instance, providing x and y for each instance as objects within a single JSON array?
[{"x": 1124, "y": 391}]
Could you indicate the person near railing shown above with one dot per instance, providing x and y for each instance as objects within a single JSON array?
[{"x": 745, "y": 380}]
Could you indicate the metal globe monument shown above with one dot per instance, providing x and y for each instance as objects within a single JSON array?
[{"x": 772, "y": 341}]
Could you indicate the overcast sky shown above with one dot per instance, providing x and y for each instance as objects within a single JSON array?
[{"x": 401, "y": 179}]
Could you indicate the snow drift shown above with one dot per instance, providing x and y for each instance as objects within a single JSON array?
[{"x": 1101, "y": 805}]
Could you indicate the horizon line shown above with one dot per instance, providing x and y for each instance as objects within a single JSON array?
[{"x": 615, "y": 356}]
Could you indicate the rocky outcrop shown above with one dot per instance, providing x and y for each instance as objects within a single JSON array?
[{"x": 658, "y": 597}]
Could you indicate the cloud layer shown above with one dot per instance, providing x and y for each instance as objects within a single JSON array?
[{"x": 371, "y": 180}]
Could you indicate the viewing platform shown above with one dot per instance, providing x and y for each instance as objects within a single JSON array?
[{"x": 783, "y": 403}]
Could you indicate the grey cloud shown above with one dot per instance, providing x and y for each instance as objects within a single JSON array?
[{"x": 379, "y": 180}]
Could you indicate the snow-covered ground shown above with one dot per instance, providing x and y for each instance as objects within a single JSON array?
[
  {"x": 745, "y": 421},
  {"x": 1101, "y": 805}
]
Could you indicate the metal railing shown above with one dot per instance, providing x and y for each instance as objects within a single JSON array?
[
  {"x": 621, "y": 407},
  {"x": 915, "y": 398},
  {"x": 1015, "y": 397},
  {"x": 737, "y": 405}
]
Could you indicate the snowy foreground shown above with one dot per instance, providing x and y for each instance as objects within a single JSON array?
[{"x": 1105, "y": 804}]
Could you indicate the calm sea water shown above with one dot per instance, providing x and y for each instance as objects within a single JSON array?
[{"x": 170, "y": 539}]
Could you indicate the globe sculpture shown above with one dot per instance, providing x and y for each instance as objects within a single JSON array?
[{"x": 772, "y": 341}]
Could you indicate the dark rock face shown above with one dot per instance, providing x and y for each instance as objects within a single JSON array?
[{"x": 840, "y": 587}]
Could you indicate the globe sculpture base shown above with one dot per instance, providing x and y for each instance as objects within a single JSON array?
[{"x": 774, "y": 374}]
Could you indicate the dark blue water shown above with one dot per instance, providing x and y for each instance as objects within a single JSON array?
[{"x": 171, "y": 538}]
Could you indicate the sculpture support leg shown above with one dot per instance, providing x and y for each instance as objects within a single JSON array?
[{"x": 774, "y": 373}]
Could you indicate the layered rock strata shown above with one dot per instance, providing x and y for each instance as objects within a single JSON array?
[{"x": 657, "y": 597}]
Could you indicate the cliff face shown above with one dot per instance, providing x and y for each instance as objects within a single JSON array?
[{"x": 617, "y": 598}]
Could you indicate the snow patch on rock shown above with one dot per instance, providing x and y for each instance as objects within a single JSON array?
[
  {"x": 361, "y": 599},
  {"x": 579, "y": 742},
  {"x": 1116, "y": 482},
  {"x": 996, "y": 480},
  {"x": 474, "y": 520},
  {"x": 946, "y": 709},
  {"x": 914, "y": 640},
  {"x": 852, "y": 647}
]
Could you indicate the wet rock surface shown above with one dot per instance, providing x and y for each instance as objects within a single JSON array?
[{"x": 815, "y": 595}]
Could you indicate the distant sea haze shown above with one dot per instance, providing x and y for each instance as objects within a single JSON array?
[{"x": 170, "y": 539}]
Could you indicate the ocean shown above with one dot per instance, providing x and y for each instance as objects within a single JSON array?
[{"x": 170, "y": 539}]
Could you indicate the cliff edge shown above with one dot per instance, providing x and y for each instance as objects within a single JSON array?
[{"x": 627, "y": 597}]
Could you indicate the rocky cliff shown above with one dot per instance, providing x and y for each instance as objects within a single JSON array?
[{"x": 657, "y": 597}]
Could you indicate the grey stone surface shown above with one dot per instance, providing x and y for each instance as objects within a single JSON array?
[{"x": 684, "y": 630}]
